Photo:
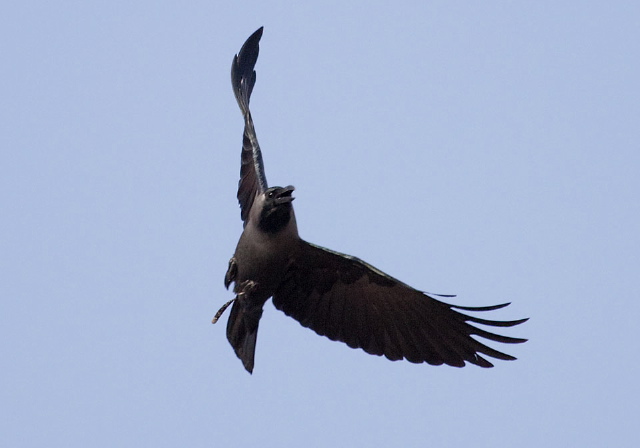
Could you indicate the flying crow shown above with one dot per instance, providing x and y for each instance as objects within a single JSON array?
[{"x": 336, "y": 295}]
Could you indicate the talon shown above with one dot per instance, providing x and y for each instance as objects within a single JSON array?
[
  {"x": 232, "y": 271},
  {"x": 249, "y": 286}
]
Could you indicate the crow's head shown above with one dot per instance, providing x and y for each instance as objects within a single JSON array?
[{"x": 276, "y": 209}]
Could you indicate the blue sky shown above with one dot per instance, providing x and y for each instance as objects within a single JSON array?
[{"x": 485, "y": 150}]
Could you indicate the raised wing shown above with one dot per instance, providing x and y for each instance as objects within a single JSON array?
[
  {"x": 243, "y": 78},
  {"x": 348, "y": 300}
]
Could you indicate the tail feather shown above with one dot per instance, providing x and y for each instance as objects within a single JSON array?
[{"x": 242, "y": 331}]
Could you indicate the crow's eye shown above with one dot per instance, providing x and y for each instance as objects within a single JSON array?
[{"x": 271, "y": 194}]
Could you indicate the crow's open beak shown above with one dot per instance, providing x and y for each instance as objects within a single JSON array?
[{"x": 285, "y": 196}]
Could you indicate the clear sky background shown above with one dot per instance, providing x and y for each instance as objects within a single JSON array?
[{"x": 485, "y": 149}]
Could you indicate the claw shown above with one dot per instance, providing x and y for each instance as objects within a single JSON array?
[
  {"x": 232, "y": 271},
  {"x": 247, "y": 288}
]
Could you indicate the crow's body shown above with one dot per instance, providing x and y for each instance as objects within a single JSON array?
[{"x": 336, "y": 295}]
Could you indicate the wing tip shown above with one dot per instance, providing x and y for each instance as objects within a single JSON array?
[
  {"x": 481, "y": 308},
  {"x": 243, "y": 75}
]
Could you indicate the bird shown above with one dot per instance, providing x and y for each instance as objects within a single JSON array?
[{"x": 336, "y": 295}]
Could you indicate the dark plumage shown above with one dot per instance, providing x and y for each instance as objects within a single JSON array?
[{"x": 336, "y": 295}]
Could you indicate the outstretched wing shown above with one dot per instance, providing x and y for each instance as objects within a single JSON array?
[
  {"x": 348, "y": 300},
  {"x": 243, "y": 78}
]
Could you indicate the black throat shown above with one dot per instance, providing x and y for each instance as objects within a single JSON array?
[{"x": 274, "y": 218}]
